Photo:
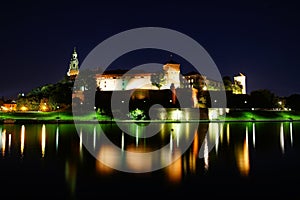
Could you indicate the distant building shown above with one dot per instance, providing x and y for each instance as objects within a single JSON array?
[
  {"x": 240, "y": 81},
  {"x": 128, "y": 81},
  {"x": 73, "y": 66},
  {"x": 200, "y": 82},
  {"x": 9, "y": 106}
]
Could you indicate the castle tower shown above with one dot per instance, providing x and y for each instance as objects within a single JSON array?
[
  {"x": 74, "y": 65},
  {"x": 241, "y": 81},
  {"x": 172, "y": 73}
]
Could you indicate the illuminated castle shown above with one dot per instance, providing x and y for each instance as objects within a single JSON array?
[
  {"x": 128, "y": 81},
  {"x": 122, "y": 80}
]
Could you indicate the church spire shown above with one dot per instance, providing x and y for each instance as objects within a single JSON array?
[{"x": 74, "y": 65}]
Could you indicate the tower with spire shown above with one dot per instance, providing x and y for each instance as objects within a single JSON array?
[{"x": 74, "y": 65}]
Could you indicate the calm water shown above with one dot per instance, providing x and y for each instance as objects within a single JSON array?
[{"x": 248, "y": 159}]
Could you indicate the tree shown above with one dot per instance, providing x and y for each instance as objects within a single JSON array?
[
  {"x": 158, "y": 79},
  {"x": 227, "y": 83},
  {"x": 237, "y": 87},
  {"x": 86, "y": 82},
  {"x": 137, "y": 114},
  {"x": 98, "y": 100},
  {"x": 293, "y": 102},
  {"x": 262, "y": 99},
  {"x": 31, "y": 103}
]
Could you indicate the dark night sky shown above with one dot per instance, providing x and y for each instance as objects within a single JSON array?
[{"x": 258, "y": 38}]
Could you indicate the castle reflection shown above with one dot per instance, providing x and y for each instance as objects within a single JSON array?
[{"x": 181, "y": 148}]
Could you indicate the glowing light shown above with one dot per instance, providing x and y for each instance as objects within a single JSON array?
[
  {"x": 24, "y": 108},
  {"x": 22, "y": 139},
  {"x": 44, "y": 107},
  {"x": 176, "y": 115},
  {"x": 109, "y": 156},
  {"x": 137, "y": 136},
  {"x": 219, "y": 131},
  {"x": 247, "y": 142},
  {"x": 196, "y": 144},
  {"x": 3, "y": 139},
  {"x": 175, "y": 131},
  {"x": 204, "y": 88},
  {"x": 291, "y": 133},
  {"x": 221, "y": 135},
  {"x": 9, "y": 142},
  {"x": 227, "y": 133},
  {"x": 253, "y": 134},
  {"x": 243, "y": 159},
  {"x": 138, "y": 161},
  {"x": 103, "y": 169},
  {"x": 206, "y": 164},
  {"x": 281, "y": 138},
  {"x": 43, "y": 139},
  {"x": 4, "y": 108},
  {"x": 187, "y": 130},
  {"x": 174, "y": 171},
  {"x": 217, "y": 144},
  {"x": 80, "y": 140},
  {"x": 171, "y": 142},
  {"x": 122, "y": 141},
  {"x": 57, "y": 138},
  {"x": 94, "y": 138}
]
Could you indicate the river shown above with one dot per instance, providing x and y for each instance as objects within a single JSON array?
[{"x": 234, "y": 159}]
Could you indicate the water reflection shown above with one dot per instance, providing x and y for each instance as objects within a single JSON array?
[
  {"x": 281, "y": 138},
  {"x": 135, "y": 152},
  {"x": 242, "y": 155},
  {"x": 291, "y": 133},
  {"x": 22, "y": 140},
  {"x": 174, "y": 171},
  {"x": 94, "y": 137},
  {"x": 122, "y": 142},
  {"x": 56, "y": 138},
  {"x": 3, "y": 142},
  {"x": 43, "y": 140},
  {"x": 205, "y": 154},
  {"x": 243, "y": 159},
  {"x": 233, "y": 147},
  {"x": 253, "y": 135},
  {"x": 9, "y": 143},
  {"x": 228, "y": 133}
]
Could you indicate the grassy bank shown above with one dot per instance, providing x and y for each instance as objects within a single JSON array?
[
  {"x": 262, "y": 115},
  {"x": 46, "y": 116},
  {"x": 67, "y": 117}
]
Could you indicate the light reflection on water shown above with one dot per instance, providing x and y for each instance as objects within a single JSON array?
[{"x": 236, "y": 145}]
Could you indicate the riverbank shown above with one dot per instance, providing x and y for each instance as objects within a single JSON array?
[
  {"x": 67, "y": 117},
  {"x": 47, "y": 117},
  {"x": 262, "y": 115}
]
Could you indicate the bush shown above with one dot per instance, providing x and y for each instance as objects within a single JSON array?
[{"x": 137, "y": 114}]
